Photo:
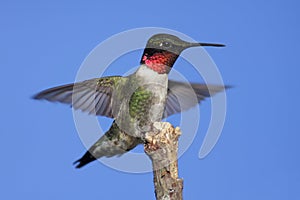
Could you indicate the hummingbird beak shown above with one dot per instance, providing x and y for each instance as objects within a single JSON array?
[{"x": 204, "y": 44}]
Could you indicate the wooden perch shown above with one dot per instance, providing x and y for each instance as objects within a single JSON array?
[{"x": 162, "y": 146}]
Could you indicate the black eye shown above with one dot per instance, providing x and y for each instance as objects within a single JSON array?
[{"x": 165, "y": 44}]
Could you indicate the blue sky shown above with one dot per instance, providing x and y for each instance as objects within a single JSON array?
[{"x": 257, "y": 157}]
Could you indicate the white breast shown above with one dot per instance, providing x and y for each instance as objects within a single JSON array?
[
  {"x": 147, "y": 75},
  {"x": 149, "y": 80}
]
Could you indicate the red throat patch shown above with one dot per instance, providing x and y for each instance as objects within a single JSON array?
[{"x": 160, "y": 62}]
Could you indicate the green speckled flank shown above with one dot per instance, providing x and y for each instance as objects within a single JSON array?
[{"x": 140, "y": 103}]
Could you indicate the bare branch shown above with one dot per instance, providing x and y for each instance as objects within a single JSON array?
[{"x": 162, "y": 146}]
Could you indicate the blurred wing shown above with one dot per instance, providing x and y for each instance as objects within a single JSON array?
[
  {"x": 182, "y": 96},
  {"x": 93, "y": 96}
]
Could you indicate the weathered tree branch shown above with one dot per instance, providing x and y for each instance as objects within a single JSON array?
[{"x": 161, "y": 146}]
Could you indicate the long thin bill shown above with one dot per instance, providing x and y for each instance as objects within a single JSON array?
[{"x": 206, "y": 44}]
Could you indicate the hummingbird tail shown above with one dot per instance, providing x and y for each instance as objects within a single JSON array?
[
  {"x": 85, "y": 159},
  {"x": 113, "y": 143}
]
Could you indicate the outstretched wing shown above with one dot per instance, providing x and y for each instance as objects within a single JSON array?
[
  {"x": 93, "y": 96},
  {"x": 182, "y": 96}
]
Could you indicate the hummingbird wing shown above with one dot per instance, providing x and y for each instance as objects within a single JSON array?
[
  {"x": 93, "y": 96},
  {"x": 182, "y": 96}
]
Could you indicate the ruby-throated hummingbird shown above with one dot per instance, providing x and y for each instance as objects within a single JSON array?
[{"x": 136, "y": 101}]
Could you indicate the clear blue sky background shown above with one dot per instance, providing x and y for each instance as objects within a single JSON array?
[{"x": 42, "y": 44}]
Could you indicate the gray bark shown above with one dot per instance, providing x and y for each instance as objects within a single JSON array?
[{"x": 162, "y": 146}]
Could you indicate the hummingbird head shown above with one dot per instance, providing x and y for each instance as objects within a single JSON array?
[{"x": 162, "y": 50}]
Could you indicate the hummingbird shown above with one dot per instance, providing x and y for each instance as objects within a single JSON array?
[{"x": 135, "y": 101}]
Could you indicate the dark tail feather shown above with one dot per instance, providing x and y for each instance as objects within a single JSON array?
[{"x": 85, "y": 159}]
